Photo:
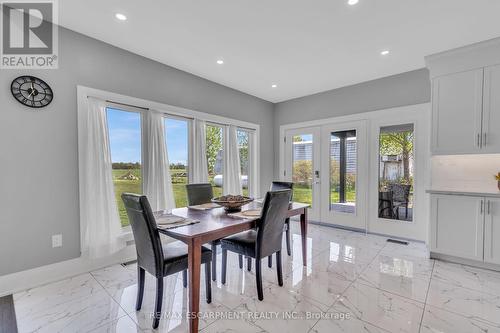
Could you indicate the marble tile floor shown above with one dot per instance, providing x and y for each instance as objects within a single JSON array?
[{"x": 353, "y": 283}]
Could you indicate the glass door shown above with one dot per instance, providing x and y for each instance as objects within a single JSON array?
[
  {"x": 343, "y": 189},
  {"x": 302, "y": 154}
]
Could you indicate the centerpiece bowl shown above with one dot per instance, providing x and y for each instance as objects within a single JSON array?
[{"x": 232, "y": 203}]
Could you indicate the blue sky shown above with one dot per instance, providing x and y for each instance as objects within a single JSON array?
[{"x": 125, "y": 137}]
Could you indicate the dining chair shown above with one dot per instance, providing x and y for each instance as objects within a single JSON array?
[
  {"x": 198, "y": 194},
  {"x": 157, "y": 258},
  {"x": 400, "y": 197},
  {"x": 263, "y": 241},
  {"x": 275, "y": 186}
]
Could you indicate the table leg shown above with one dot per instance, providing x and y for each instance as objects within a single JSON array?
[
  {"x": 303, "y": 231},
  {"x": 194, "y": 264}
]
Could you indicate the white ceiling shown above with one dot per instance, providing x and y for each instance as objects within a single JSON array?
[{"x": 302, "y": 46}]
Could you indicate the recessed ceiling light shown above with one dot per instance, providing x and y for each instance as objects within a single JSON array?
[
  {"x": 274, "y": 86},
  {"x": 352, "y": 2},
  {"x": 385, "y": 52},
  {"x": 121, "y": 17},
  {"x": 220, "y": 61}
]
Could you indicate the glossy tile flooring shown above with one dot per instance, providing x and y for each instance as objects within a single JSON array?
[{"x": 353, "y": 283}]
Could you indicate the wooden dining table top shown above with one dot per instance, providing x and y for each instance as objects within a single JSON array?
[{"x": 216, "y": 221}]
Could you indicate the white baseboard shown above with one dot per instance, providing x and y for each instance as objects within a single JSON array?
[{"x": 19, "y": 281}]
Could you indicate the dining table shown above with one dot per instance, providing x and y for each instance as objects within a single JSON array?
[{"x": 215, "y": 224}]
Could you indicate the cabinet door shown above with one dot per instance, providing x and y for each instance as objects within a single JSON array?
[
  {"x": 456, "y": 113},
  {"x": 491, "y": 110},
  {"x": 492, "y": 231},
  {"x": 457, "y": 226}
]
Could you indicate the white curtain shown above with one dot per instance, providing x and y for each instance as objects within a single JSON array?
[
  {"x": 100, "y": 223},
  {"x": 157, "y": 180},
  {"x": 200, "y": 166},
  {"x": 232, "y": 171}
]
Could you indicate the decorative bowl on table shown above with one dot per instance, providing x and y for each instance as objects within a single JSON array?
[{"x": 232, "y": 203}]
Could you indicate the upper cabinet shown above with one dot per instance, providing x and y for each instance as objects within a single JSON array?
[
  {"x": 456, "y": 112},
  {"x": 466, "y": 99}
]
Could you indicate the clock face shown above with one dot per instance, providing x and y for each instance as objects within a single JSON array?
[{"x": 31, "y": 91}]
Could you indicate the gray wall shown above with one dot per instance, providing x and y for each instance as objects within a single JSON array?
[
  {"x": 392, "y": 91},
  {"x": 38, "y": 149}
]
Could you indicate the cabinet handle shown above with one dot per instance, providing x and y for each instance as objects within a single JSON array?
[
  {"x": 482, "y": 207},
  {"x": 484, "y": 141},
  {"x": 488, "y": 207},
  {"x": 478, "y": 140}
]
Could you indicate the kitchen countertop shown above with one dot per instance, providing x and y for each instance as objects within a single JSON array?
[{"x": 474, "y": 193}]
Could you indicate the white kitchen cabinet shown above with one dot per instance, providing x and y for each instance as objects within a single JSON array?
[
  {"x": 491, "y": 110},
  {"x": 492, "y": 231},
  {"x": 457, "y": 112},
  {"x": 457, "y": 225}
]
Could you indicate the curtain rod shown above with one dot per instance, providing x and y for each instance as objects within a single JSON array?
[{"x": 170, "y": 114}]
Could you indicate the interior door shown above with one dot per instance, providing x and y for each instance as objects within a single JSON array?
[
  {"x": 302, "y": 152},
  {"x": 344, "y": 174}
]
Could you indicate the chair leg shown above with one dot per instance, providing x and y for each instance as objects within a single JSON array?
[
  {"x": 214, "y": 261},
  {"x": 140, "y": 288},
  {"x": 258, "y": 279},
  {"x": 249, "y": 264},
  {"x": 223, "y": 268},
  {"x": 288, "y": 238},
  {"x": 208, "y": 283},
  {"x": 158, "y": 302},
  {"x": 185, "y": 278},
  {"x": 279, "y": 268},
  {"x": 270, "y": 261},
  {"x": 240, "y": 260}
]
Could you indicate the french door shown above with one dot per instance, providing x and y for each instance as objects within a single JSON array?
[
  {"x": 302, "y": 163},
  {"x": 327, "y": 165},
  {"x": 344, "y": 174}
]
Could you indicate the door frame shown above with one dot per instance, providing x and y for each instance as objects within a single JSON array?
[
  {"x": 315, "y": 210},
  {"x": 358, "y": 219}
]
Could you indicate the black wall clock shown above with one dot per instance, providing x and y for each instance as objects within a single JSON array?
[{"x": 31, "y": 91}]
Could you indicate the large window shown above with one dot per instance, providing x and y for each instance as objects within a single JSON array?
[
  {"x": 396, "y": 164},
  {"x": 302, "y": 168},
  {"x": 243, "y": 145},
  {"x": 215, "y": 157},
  {"x": 177, "y": 142},
  {"x": 343, "y": 171},
  {"x": 125, "y": 143}
]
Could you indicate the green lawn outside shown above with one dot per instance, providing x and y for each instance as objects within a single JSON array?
[
  {"x": 304, "y": 194},
  {"x": 179, "y": 181}
]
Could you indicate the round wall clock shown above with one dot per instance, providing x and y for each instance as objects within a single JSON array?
[{"x": 31, "y": 91}]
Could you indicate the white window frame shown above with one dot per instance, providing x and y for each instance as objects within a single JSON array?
[{"x": 134, "y": 104}]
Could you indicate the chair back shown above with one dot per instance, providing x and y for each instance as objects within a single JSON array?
[
  {"x": 277, "y": 185},
  {"x": 400, "y": 192},
  {"x": 270, "y": 228},
  {"x": 146, "y": 235},
  {"x": 198, "y": 194}
]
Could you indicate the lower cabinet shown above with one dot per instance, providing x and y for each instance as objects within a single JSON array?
[
  {"x": 492, "y": 231},
  {"x": 466, "y": 226}
]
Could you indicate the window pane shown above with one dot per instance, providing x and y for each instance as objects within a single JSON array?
[
  {"x": 177, "y": 141},
  {"x": 125, "y": 142},
  {"x": 243, "y": 142},
  {"x": 343, "y": 170},
  {"x": 215, "y": 157},
  {"x": 302, "y": 168},
  {"x": 396, "y": 172}
]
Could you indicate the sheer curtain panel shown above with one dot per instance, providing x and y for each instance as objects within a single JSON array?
[
  {"x": 200, "y": 166},
  {"x": 232, "y": 176}
]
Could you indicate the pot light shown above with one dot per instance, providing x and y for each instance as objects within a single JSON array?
[
  {"x": 385, "y": 52},
  {"x": 274, "y": 85},
  {"x": 121, "y": 17},
  {"x": 220, "y": 61},
  {"x": 352, "y": 2}
]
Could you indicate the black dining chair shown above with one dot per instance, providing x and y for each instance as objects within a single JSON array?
[
  {"x": 198, "y": 194},
  {"x": 155, "y": 257},
  {"x": 263, "y": 241},
  {"x": 275, "y": 186}
]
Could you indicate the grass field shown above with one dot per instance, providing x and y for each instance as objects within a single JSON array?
[
  {"x": 304, "y": 194},
  {"x": 179, "y": 181}
]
